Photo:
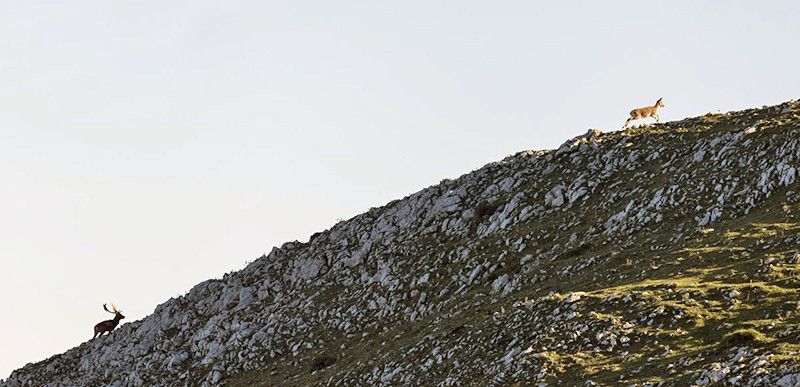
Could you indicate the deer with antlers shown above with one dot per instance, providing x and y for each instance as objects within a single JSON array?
[
  {"x": 108, "y": 325},
  {"x": 644, "y": 112}
]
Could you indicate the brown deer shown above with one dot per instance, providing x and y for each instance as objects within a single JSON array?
[
  {"x": 108, "y": 325},
  {"x": 647, "y": 111}
]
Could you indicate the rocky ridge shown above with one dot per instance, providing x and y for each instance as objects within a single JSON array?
[{"x": 660, "y": 255}]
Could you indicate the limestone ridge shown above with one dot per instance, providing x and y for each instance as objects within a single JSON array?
[{"x": 666, "y": 254}]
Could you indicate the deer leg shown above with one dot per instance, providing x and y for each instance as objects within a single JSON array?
[
  {"x": 656, "y": 117},
  {"x": 626, "y": 122}
]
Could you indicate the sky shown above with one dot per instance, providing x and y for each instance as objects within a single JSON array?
[{"x": 147, "y": 146}]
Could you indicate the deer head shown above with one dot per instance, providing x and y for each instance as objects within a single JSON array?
[{"x": 117, "y": 314}]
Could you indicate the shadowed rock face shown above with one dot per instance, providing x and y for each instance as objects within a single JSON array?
[{"x": 667, "y": 253}]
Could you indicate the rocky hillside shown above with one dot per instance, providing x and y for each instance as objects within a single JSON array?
[{"x": 667, "y": 254}]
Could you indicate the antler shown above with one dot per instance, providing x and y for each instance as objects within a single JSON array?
[{"x": 114, "y": 309}]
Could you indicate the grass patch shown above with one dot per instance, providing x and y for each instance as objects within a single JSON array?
[{"x": 742, "y": 337}]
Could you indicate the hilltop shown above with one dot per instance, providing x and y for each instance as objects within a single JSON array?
[{"x": 661, "y": 255}]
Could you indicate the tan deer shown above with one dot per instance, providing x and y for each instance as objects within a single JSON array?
[
  {"x": 644, "y": 112},
  {"x": 108, "y": 325}
]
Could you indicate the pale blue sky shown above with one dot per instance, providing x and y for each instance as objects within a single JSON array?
[{"x": 147, "y": 146}]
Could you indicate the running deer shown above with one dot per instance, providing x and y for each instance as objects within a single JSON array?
[
  {"x": 648, "y": 111},
  {"x": 108, "y": 325}
]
